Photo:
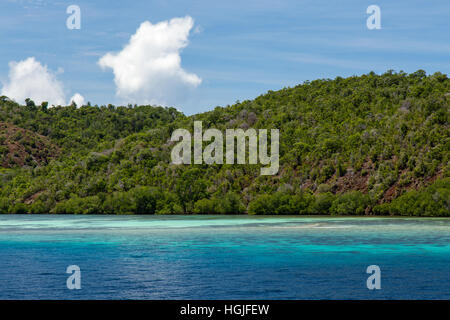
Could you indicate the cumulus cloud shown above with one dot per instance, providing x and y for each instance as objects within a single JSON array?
[
  {"x": 148, "y": 69},
  {"x": 30, "y": 79},
  {"x": 78, "y": 99}
]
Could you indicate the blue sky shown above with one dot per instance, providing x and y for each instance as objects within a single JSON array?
[{"x": 239, "y": 49}]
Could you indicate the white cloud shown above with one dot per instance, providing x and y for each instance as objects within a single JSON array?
[
  {"x": 78, "y": 99},
  {"x": 148, "y": 69},
  {"x": 30, "y": 79}
]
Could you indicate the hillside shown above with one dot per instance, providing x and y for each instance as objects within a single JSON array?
[
  {"x": 84, "y": 129},
  {"x": 357, "y": 145},
  {"x": 20, "y": 147}
]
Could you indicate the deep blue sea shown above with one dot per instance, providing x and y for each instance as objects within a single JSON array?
[{"x": 223, "y": 257}]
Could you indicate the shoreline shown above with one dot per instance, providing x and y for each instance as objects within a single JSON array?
[{"x": 221, "y": 215}]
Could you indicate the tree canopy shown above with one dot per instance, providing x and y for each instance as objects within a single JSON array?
[{"x": 370, "y": 144}]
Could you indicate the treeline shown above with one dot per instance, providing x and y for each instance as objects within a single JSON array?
[
  {"x": 371, "y": 144},
  {"x": 85, "y": 128},
  {"x": 432, "y": 201}
]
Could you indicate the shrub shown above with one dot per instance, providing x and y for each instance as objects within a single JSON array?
[
  {"x": 205, "y": 206},
  {"x": 281, "y": 204},
  {"x": 4, "y": 205},
  {"x": 18, "y": 208},
  {"x": 145, "y": 199},
  {"x": 76, "y": 205},
  {"x": 231, "y": 204},
  {"x": 119, "y": 203},
  {"x": 322, "y": 203},
  {"x": 351, "y": 203},
  {"x": 432, "y": 201}
]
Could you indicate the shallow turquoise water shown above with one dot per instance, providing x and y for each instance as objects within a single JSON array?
[{"x": 217, "y": 257}]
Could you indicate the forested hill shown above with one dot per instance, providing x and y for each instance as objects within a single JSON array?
[{"x": 372, "y": 144}]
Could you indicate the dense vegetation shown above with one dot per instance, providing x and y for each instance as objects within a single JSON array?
[{"x": 373, "y": 144}]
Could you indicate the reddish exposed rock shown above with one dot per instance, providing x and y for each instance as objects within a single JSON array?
[{"x": 21, "y": 147}]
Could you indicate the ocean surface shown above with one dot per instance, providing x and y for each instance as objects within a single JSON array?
[{"x": 223, "y": 257}]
